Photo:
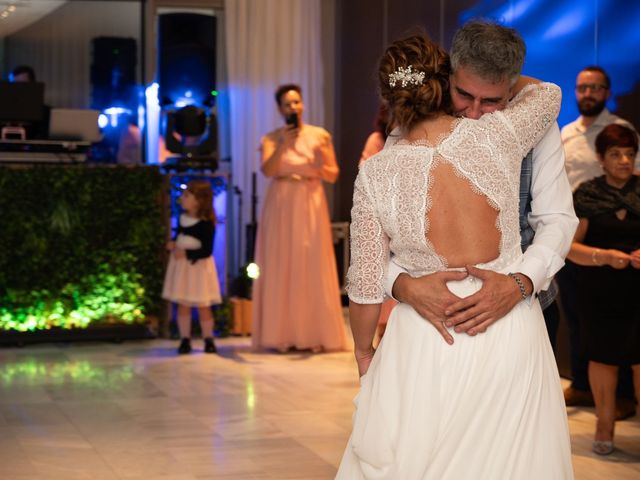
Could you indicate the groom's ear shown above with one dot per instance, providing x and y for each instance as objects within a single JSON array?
[
  {"x": 514, "y": 87},
  {"x": 512, "y": 91}
]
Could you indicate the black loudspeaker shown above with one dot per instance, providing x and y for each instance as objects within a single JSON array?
[
  {"x": 113, "y": 71},
  {"x": 187, "y": 57}
]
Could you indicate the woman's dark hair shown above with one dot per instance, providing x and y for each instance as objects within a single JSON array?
[
  {"x": 616, "y": 135},
  {"x": 283, "y": 89},
  {"x": 381, "y": 122},
  {"x": 201, "y": 189},
  {"x": 411, "y": 104}
]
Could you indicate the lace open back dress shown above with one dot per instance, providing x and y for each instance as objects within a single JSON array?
[{"x": 488, "y": 407}]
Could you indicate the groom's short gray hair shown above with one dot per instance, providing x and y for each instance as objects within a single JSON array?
[{"x": 490, "y": 50}]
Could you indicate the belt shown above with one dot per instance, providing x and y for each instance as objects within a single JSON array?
[{"x": 294, "y": 177}]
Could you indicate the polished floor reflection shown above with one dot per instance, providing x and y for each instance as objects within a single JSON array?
[{"x": 137, "y": 411}]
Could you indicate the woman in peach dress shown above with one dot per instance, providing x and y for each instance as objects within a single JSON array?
[{"x": 296, "y": 299}]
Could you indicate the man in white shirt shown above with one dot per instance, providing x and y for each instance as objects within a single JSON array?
[
  {"x": 592, "y": 92},
  {"x": 478, "y": 88},
  {"x": 593, "y": 89}
]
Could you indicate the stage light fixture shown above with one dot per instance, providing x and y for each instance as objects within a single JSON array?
[{"x": 196, "y": 141}]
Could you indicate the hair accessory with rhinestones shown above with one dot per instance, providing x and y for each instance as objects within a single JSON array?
[{"x": 406, "y": 77}]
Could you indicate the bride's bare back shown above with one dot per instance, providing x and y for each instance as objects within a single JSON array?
[{"x": 461, "y": 223}]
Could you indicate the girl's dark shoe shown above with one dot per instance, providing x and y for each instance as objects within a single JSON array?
[
  {"x": 185, "y": 346},
  {"x": 209, "y": 346}
]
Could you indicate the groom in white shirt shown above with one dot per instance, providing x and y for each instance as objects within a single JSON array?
[{"x": 546, "y": 208}]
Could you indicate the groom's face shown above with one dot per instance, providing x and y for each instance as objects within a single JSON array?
[{"x": 472, "y": 95}]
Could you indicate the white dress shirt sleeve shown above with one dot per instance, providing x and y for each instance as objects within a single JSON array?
[
  {"x": 393, "y": 272},
  {"x": 552, "y": 215}
]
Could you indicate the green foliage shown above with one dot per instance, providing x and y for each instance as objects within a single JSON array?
[
  {"x": 79, "y": 245},
  {"x": 223, "y": 320}
]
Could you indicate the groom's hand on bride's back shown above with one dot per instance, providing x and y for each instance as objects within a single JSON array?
[
  {"x": 429, "y": 296},
  {"x": 497, "y": 297}
]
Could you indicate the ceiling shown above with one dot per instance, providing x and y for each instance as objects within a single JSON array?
[{"x": 17, "y": 14}]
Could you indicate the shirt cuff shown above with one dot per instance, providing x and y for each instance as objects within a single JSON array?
[
  {"x": 539, "y": 272},
  {"x": 393, "y": 271}
]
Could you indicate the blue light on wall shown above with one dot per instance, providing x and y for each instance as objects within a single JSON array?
[
  {"x": 564, "y": 36},
  {"x": 568, "y": 23}
]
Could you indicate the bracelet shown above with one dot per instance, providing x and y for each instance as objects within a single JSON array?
[
  {"x": 594, "y": 256},
  {"x": 523, "y": 291}
]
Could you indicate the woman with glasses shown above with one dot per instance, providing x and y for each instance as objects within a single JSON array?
[
  {"x": 607, "y": 248},
  {"x": 592, "y": 90}
]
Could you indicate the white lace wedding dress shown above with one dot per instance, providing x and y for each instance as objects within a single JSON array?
[{"x": 488, "y": 407}]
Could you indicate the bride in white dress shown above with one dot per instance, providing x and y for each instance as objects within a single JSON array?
[{"x": 445, "y": 196}]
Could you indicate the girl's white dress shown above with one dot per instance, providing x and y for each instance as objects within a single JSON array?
[
  {"x": 194, "y": 284},
  {"x": 489, "y": 407}
]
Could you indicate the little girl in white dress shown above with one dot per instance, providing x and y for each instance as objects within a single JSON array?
[{"x": 191, "y": 279}]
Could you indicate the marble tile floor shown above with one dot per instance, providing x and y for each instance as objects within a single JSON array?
[{"x": 136, "y": 410}]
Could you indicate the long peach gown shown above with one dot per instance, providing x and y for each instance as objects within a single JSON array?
[{"x": 296, "y": 299}]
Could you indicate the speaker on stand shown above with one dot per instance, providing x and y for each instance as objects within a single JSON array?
[
  {"x": 187, "y": 59},
  {"x": 252, "y": 228},
  {"x": 113, "y": 72}
]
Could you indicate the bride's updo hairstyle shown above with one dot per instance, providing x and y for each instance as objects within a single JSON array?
[{"x": 416, "y": 98}]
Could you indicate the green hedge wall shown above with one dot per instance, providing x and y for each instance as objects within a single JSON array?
[{"x": 79, "y": 245}]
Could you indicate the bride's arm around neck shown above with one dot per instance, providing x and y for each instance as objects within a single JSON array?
[
  {"x": 523, "y": 81},
  {"x": 530, "y": 112}
]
